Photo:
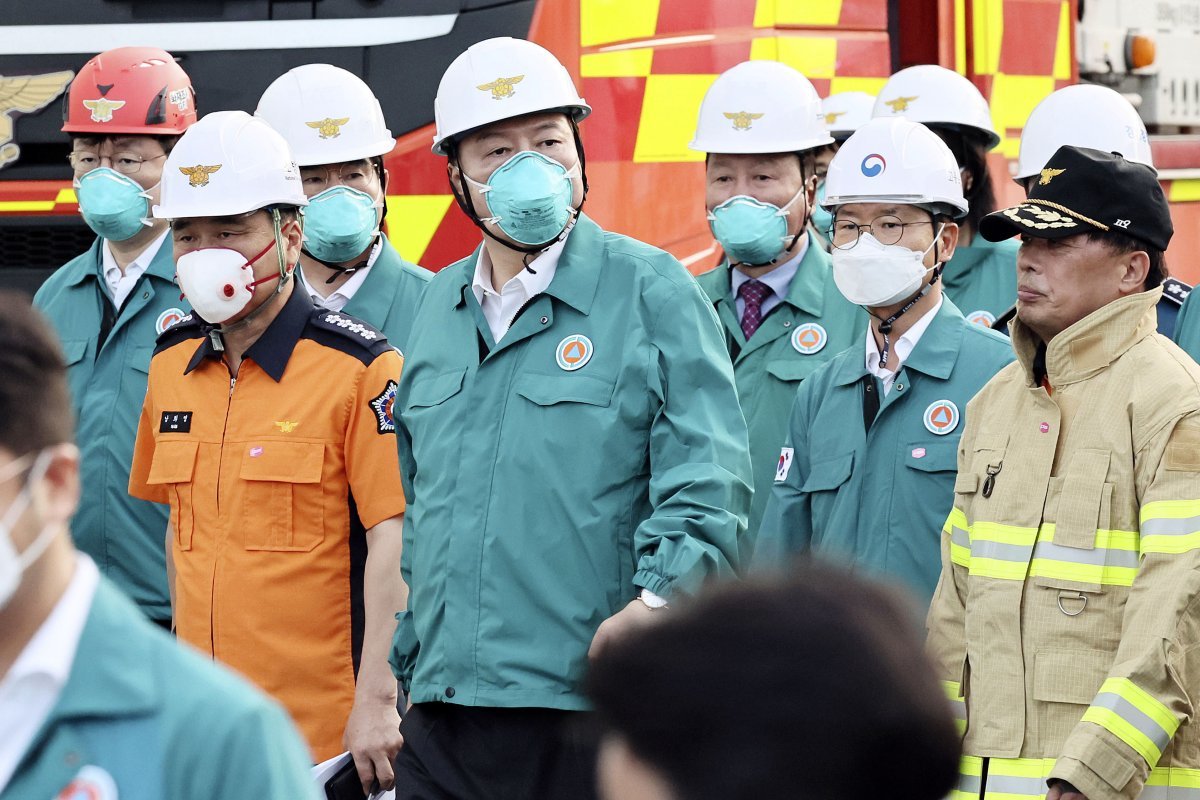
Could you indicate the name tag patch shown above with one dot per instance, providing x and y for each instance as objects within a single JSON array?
[{"x": 175, "y": 422}]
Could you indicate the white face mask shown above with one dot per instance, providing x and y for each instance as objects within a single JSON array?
[
  {"x": 878, "y": 275},
  {"x": 12, "y": 563},
  {"x": 219, "y": 282}
]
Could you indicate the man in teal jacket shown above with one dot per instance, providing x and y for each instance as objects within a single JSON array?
[
  {"x": 570, "y": 443},
  {"x": 982, "y": 279},
  {"x": 866, "y": 473},
  {"x": 774, "y": 293},
  {"x": 336, "y": 131},
  {"x": 109, "y": 304},
  {"x": 94, "y": 701},
  {"x": 1187, "y": 326}
]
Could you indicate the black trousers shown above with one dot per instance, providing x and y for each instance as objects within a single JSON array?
[{"x": 456, "y": 752}]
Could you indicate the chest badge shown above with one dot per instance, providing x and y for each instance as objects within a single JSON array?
[
  {"x": 168, "y": 318},
  {"x": 809, "y": 339},
  {"x": 982, "y": 318},
  {"x": 573, "y": 352},
  {"x": 92, "y": 783},
  {"x": 941, "y": 417},
  {"x": 286, "y": 426}
]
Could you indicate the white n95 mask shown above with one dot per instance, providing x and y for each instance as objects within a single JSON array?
[
  {"x": 219, "y": 282},
  {"x": 878, "y": 275}
]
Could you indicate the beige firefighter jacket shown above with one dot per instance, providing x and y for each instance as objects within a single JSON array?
[{"x": 1066, "y": 623}]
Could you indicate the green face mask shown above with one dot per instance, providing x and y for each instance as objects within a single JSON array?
[{"x": 751, "y": 231}]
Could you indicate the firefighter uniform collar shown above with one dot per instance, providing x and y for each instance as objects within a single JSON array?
[
  {"x": 274, "y": 348},
  {"x": 1091, "y": 344}
]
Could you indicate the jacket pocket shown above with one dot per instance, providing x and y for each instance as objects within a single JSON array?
[
  {"x": 1082, "y": 506},
  {"x": 549, "y": 390},
  {"x": 429, "y": 392},
  {"x": 1063, "y": 682},
  {"x": 74, "y": 350},
  {"x": 829, "y": 474},
  {"x": 932, "y": 456},
  {"x": 174, "y": 465},
  {"x": 791, "y": 370},
  {"x": 282, "y": 484},
  {"x": 140, "y": 357}
]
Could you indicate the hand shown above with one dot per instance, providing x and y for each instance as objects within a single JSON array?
[
  {"x": 373, "y": 739},
  {"x": 1061, "y": 790},
  {"x": 633, "y": 616}
]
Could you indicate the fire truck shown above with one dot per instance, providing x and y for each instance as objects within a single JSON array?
[{"x": 643, "y": 65}]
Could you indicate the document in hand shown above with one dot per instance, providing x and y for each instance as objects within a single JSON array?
[{"x": 337, "y": 779}]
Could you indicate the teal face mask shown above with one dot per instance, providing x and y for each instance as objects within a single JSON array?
[
  {"x": 751, "y": 231},
  {"x": 339, "y": 224},
  {"x": 529, "y": 197},
  {"x": 822, "y": 220},
  {"x": 113, "y": 205}
]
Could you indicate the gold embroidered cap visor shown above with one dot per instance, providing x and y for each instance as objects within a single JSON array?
[{"x": 1086, "y": 191}]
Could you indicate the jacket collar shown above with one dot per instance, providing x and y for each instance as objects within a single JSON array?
[
  {"x": 807, "y": 289},
  {"x": 375, "y": 298},
  {"x": 575, "y": 279},
  {"x": 161, "y": 266},
  {"x": 935, "y": 354},
  {"x": 274, "y": 347},
  {"x": 1091, "y": 344}
]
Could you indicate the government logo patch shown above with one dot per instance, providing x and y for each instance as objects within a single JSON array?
[
  {"x": 809, "y": 339},
  {"x": 92, "y": 783},
  {"x": 573, "y": 352},
  {"x": 168, "y": 318},
  {"x": 384, "y": 408},
  {"x": 941, "y": 417}
]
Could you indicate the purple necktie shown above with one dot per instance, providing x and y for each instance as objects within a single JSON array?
[{"x": 752, "y": 293}]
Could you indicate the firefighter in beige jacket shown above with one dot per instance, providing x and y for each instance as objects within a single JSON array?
[{"x": 1067, "y": 620}]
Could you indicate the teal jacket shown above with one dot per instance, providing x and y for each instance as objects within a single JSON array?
[
  {"x": 123, "y": 535},
  {"x": 981, "y": 279},
  {"x": 1187, "y": 326},
  {"x": 389, "y": 296},
  {"x": 811, "y": 325},
  {"x": 161, "y": 722},
  {"x": 878, "y": 500},
  {"x": 596, "y": 450}
]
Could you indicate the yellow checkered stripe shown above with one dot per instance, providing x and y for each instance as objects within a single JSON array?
[
  {"x": 1011, "y": 552},
  {"x": 957, "y": 704},
  {"x": 1025, "y": 779},
  {"x": 1170, "y": 527},
  {"x": 1134, "y": 716}
]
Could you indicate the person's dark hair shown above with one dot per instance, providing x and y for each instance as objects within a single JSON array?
[
  {"x": 35, "y": 404},
  {"x": 1121, "y": 243},
  {"x": 970, "y": 151},
  {"x": 815, "y": 686}
]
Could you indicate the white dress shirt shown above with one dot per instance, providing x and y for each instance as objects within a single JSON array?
[
  {"x": 31, "y": 688},
  {"x": 342, "y": 295},
  {"x": 499, "y": 307},
  {"x": 121, "y": 284},
  {"x": 902, "y": 347},
  {"x": 779, "y": 280}
]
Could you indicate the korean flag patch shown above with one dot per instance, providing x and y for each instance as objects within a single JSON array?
[
  {"x": 786, "y": 455},
  {"x": 382, "y": 406}
]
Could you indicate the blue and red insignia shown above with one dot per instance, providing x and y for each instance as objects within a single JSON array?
[{"x": 383, "y": 407}]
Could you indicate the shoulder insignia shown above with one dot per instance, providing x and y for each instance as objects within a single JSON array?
[
  {"x": 352, "y": 334},
  {"x": 383, "y": 406},
  {"x": 1176, "y": 291}
]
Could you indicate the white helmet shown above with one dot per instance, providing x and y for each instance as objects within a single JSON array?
[
  {"x": 896, "y": 160},
  {"x": 228, "y": 163},
  {"x": 846, "y": 112},
  {"x": 760, "y": 107},
  {"x": 327, "y": 115},
  {"x": 1084, "y": 115},
  {"x": 500, "y": 79},
  {"x": 934, "y": 95}
]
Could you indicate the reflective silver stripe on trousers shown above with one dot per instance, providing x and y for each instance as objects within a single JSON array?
[
  {"x": 1169, "y": 793},
  {"x": 1171, "y": 527},
  {"x": 1135, "y": 717},
  {"x": 970, "y": 784},
  {"x": 1005, "y": 784}
]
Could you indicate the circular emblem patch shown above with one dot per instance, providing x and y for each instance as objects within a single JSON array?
[
  {"x": 941, "y": 417},
  {"x": 92, "y": 783},
  {"x": 168, "y": 318},
  {"x": 984, "y": 319},
  {"x": 573, "y": 352},
  {"x": 874, "y": 164},
  {"x": 809, "y": 338}
]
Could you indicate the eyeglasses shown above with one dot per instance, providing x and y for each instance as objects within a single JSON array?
[
  {"x": 355, "y": 176},
  {"x": 124, "y": 163},
  {"x": 886, "y": 230}
]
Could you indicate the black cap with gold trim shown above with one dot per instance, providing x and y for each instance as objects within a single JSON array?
[{"x": 1084, "y": 191}]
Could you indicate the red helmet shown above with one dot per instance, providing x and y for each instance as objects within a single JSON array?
[{"x": 138, "y": 90}]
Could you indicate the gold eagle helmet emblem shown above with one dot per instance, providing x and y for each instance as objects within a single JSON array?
[
  {"x": 501, "y": 88},
  {"x": 1049, "y": 175},
  {"x": 742, "y": 119},
  {"x": 899, "y": 104},
  {"x": 198, "y": 175},
  {"x": 328, "y": 128},
  {"x": 832, "y": 116},
  {"x": 102, "y": 108},
  {"x": 25, "y": 94}
]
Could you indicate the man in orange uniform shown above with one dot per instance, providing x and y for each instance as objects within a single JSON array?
[{"x": 267, "y": 426}]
